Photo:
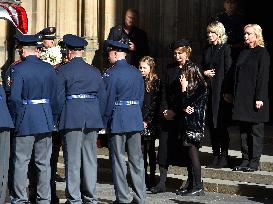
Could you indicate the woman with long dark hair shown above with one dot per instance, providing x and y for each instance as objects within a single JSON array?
[
  {"x": 193, "y": 104},
  {"x": 149, "y": 113}
]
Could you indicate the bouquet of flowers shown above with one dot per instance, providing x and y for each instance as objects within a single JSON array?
[{"x": 52, "y": 55}]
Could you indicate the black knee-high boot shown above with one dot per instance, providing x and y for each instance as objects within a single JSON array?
[{"x": 161, "y": 186}]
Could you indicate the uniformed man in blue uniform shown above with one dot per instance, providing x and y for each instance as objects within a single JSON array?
[
  {"x": 84, "y": 96},
  {"x": 49, "y": 35},
  {"x": 125, "y": 92},
  {"x": 34, "y": 107},
  {"x": 5, "y": 126}
]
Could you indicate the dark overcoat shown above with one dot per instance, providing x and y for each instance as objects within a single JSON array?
[
  {"x": 170, "y": 92},
  {"x": 217, "y": 57},
  {"x": 137, "y": 36},
  {"x": 77, "y": 78},
  {"x": 251, "y": 85}
]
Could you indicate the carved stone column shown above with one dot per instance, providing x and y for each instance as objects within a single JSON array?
[
  {"x": 39, "y": 16},
  {"x": 3, "y": 44},
  {"x": 90, "y": 28},
  {"x": 52, "y": 12},
  {"x": 109, "y": 16},
  {"x": 67, "y": 15}
]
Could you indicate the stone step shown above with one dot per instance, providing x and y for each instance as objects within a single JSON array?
[
  {"x": 235, "y": 156},
  {"x": 259, "y": 177},
  {"x": 174, "y": 181},
  {"x": 215, "y": 180}
]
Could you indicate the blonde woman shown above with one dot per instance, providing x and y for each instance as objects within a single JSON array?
[
  {"x": 216, "y": 65},
  {"x": 251, "y": 103}
]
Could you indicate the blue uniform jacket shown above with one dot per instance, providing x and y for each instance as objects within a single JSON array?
[
  {"x": 5, "y": 119},
  {"x": 123, "y": 83},
  {"x": 78, "y": 77},
  {"x": 33, "y": 79}
]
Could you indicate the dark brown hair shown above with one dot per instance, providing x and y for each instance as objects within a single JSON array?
[{"x": 193, "y": 76}]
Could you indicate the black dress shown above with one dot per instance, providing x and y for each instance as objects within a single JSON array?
[{"x": 194, "y": 124}]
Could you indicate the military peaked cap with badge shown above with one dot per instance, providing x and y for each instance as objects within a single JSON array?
[
  {"x": 48, "y": 33},
  {"x": 116, "y": 46},
  {"x": 74, "y": 42}
]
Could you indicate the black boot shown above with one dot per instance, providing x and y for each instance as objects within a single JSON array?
[
  {"x": 160, "y": 187},
  {"x": 184, "y": 188},
  {"x": 223, "y": 160},
  {"x": 214, "y": 162}
]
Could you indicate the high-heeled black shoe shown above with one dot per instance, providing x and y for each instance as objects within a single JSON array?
[
  {"x": 194, "y": 192},
  {"x": 181, "y": 191},
  {"x": 158, "y": 189}
]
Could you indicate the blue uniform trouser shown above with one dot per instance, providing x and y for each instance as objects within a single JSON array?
[
  {"x": 80, "y": 155},
  {"x": 117, "y": 144},
  {"x": 4, "y": 162},
  {"x": 41, "y": 145}
]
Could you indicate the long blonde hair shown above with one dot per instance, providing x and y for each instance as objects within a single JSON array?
[{"x": 149, "y": 79}]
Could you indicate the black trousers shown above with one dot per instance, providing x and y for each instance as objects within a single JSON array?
[
  {"x": 219, "y": 140},
  {"x": 252, "y": 141}
]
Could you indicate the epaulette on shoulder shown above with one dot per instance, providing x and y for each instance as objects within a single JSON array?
[
  {"x": 16, "y": 62},
  {"x": 106, "y": 74}
]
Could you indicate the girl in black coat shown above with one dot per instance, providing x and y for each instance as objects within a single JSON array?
[
  {"x": 149, "y": 112},
  {"x": 216, "y": 64},
  {"x": 251, "y": 103}
]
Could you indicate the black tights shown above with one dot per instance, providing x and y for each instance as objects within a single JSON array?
[
  {"x": 148, "y": 149},
  {"x": 194, "y": 168}
]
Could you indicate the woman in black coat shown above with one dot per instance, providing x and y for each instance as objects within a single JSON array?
[
  {"x": 251, "y": 103},
  {"x": 193, "y": 105},
  {"x": 216, "y": 65},
  {"x": 169, "y": 143},
  {"x": 149, "y": 112}
]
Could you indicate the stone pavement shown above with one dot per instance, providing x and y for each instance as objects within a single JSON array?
[
  {"x": 105, "y": 193},
  {"x": 222, "y": 186}
]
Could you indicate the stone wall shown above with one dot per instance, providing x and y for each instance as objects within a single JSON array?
[{"x": 164, "y": 21}]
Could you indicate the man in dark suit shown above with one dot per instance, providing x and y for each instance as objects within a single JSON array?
[
  {"x": 34, "y": 107},
  {"x": 125, "y": 91},
  {"x": 131, "y": 35},
  {"x": 5, "y": 126},
  {"x": 84, "y": 96}
]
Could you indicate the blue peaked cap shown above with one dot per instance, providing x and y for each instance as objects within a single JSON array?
[
  {"x": 48, "y": 33},
  {"x": 74, "y": 41},
  {"x": 27, "y": 39},
  {"x": 116, "y": 45}
]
